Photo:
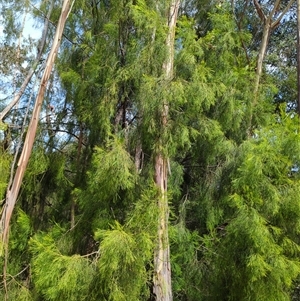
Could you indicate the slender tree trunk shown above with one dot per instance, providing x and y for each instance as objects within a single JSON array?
[
  {"x": 298, "y": 53},
  {"x": 162, "y": 268},
  {"x": 261, "y": 56},
  {"x": 13, "y": 190},
  {"x": 268, "y": 26}
]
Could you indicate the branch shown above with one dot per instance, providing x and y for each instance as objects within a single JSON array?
[
  {"x": 51, "y": 22},
  {"x": 276, "y": 22},
  {"x": 14, "y": 276},
  {"x": 90, "y": 254},
  {"x": 32, "y": 69},
  {"x": 275, "y": 9},
  {"x": 259, "y": 11},
  {"x": 71, "y": 134}
]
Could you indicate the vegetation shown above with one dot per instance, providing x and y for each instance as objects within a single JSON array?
[{"x": 160, "y": 158}]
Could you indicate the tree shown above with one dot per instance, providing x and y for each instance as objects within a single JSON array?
[
  {"x": 13, "y": 190},
  {"x": 162, "y": 268},
  {"x": 143, "y": 164}
]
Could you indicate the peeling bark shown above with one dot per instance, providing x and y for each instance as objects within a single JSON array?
[
  {"x": 13, "y": 190},
  {"x": 162, "y": 288}
]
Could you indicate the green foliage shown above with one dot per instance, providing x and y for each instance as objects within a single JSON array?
[
  {"x": 233, "y": 194},
  {"x": 37, "y": 166},
  {"x": 17, "y": 273},
  {"x": 67, "y": 277},
  {"x": 186, "y": 268},
  {"x": 17, "y": 292},
  {"x": 113, "y": 170},
  {"x": 123, "y": 275},
  {"x": 21, "y": 232},
  {"x": 126, "y": 252},
  {"x": 255, "y": 249},
  {"x": 5, "y": 161}
]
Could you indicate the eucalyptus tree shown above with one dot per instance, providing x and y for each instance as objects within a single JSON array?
[
  {"x": 15, "y": 185},
  {"x": 270, "y": 22},
  {"x": 272, "y": 25}
]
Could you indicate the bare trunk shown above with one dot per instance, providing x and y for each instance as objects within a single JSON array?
[
  {"x": 268, "y": 26},
  {"x": 162, "y": 268},
  {"x": 261, "y": 56},
  {"x": 13, "y": 190}
]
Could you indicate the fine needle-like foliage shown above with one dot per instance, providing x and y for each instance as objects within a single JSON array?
[
  {"x": 67, "y": 277},
  {"x": 18, "y": 270},
  {"x": 165, "y": 165},
  {"x": 252, "y": 240}
]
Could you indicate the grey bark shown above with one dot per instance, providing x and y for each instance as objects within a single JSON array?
[{"x": 269, "y": 24}]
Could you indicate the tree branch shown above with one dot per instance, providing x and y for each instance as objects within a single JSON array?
[
  {"x": 277, "y": 22},
  {"x": 13, "y": 190},
  {"x": 32, "y": 69},
  {"x": 259, "y": 11}
]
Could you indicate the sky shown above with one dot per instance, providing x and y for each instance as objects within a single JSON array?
[{"x": 29, "y": 30}]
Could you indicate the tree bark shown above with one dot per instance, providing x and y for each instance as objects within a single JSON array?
[
  {"x": 162, "y": 288},
  {"x": 268, "y": 26},
  {"x": 13, "y": 190}
]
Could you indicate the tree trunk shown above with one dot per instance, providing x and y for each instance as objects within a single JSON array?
[
  {"x": 13, "y": 190},
  {"x": 162, "y": 288},
  {"x": 268, "y": 26},
  {"x": 261, "y": 55}
]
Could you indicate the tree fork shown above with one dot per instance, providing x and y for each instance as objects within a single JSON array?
[{"x": 268, "y": 26}]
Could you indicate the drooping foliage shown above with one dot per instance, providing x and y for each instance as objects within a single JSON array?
[{"x": 87, "y": 216}]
